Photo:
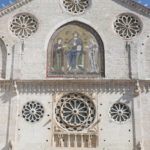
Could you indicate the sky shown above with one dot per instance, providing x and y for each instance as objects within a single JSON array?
[
  {"x": 144, "y": 2},
  {"x": 4, "y": 3}
]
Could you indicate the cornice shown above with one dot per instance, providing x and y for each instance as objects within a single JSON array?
[
  {"x": 14, "y": 6},
  {"x": 45, "y": 86},
  {"x": 134, "y": 6},
  {"x": 73, "y": 86}
]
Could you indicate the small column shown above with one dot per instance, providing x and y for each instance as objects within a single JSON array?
[
  {"x": 68, "y": 140},
  {"x": 60, "y": 140},
  {"x": 82, "y": 140},
  {"x": 75, "y": 141},
  {"x": 90, "y": 141}
]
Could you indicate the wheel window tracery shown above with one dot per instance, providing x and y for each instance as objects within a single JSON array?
[
  {"x": 23, "y": 25},
  {"x": 75, "y": 112},
  {"x": 75, "y": 6},
  {"x": 33, "y": 111},
  {"x": 128, "y": 25},
  {"x": 120, "y": 112}
]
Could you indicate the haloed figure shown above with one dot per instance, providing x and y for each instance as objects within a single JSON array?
[
  {"x": 58, "y": 55},
  {"x": 93, "y": 51},
  {"x": 75, "y": 52}
]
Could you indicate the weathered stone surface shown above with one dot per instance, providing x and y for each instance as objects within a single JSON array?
[{"x": 24, "y": 79}]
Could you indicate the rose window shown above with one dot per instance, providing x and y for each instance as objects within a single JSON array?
[
  {"x": 33, "y": 111},
  {"x": 128, "y": 26},
  {"x": 75, "y": 112},
  {"x": 23, "y": 25},
  {"x": 120, "y": 112},
  {"x": 76, "y": 6}
]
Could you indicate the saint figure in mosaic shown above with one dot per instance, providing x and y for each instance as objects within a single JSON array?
[
  {"x": 75, "y": 52},
  {"x": 93, "y": 51},
  {"x": 58, "y": 55}
]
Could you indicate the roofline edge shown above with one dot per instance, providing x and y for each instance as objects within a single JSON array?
[
  {"x": 14, "y": 6},
  {"x": 130, "y": 4},
  {"x": 134, "y": 6}
]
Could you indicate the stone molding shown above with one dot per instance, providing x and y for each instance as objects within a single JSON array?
[
  {"x": 143, "y": 10},
  {"x": 65, "y": 86},
  {"x": 136, "y": 87}
]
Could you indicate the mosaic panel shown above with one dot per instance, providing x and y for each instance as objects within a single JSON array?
[{"x": 74, "y": 50}]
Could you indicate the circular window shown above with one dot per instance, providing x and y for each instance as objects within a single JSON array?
[
  {"x": 23, "y": 25},
  {"x": 75, "y": 112},
  {"x": 128, "y": 26},
  {"x": 75, "y": 6},
  {"x": 33, "y": 111},
  {"x": 120, "y": 112}
]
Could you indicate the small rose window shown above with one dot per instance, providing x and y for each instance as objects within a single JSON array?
[
  {"x": 120, "y": 112},
  {"x": 33, "y": 111},
  {"x": 75, "y": 6},
  {"x": 23, "y": 25},
  {"x": 128, "y": 26}
]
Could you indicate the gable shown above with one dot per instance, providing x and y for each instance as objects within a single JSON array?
[{"x": 130, "y": 4}]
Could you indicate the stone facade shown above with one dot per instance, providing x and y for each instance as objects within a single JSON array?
[{"x": 74, "y": 74}]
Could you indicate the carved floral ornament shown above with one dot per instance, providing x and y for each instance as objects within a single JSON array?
[
  {"x": 75, "y": 6},
  {"x": 128, "y": 25},
  {"x": 23, "y": 25}
]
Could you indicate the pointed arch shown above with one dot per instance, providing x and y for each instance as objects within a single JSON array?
[
  {"x": 75, "y": 50},
  {"x": 3, "y": 59}
]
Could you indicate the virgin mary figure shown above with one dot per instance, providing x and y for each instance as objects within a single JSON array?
[{"x": 58, "y": 56}]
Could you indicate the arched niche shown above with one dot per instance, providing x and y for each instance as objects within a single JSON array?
[
  {"x": 75, "y": 50},
  {"x": 3, "y": 59}
]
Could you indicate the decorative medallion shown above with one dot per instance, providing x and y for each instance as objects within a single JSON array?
[
  {"x": 75, "y": 112},
  {"x": 120, "y": 112},
  {"x": 75, "y": 6},
  {"x": 23, "y": 25},
  {"x": 128, "y": 26},
  {"x": 33, "y": 111}
]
